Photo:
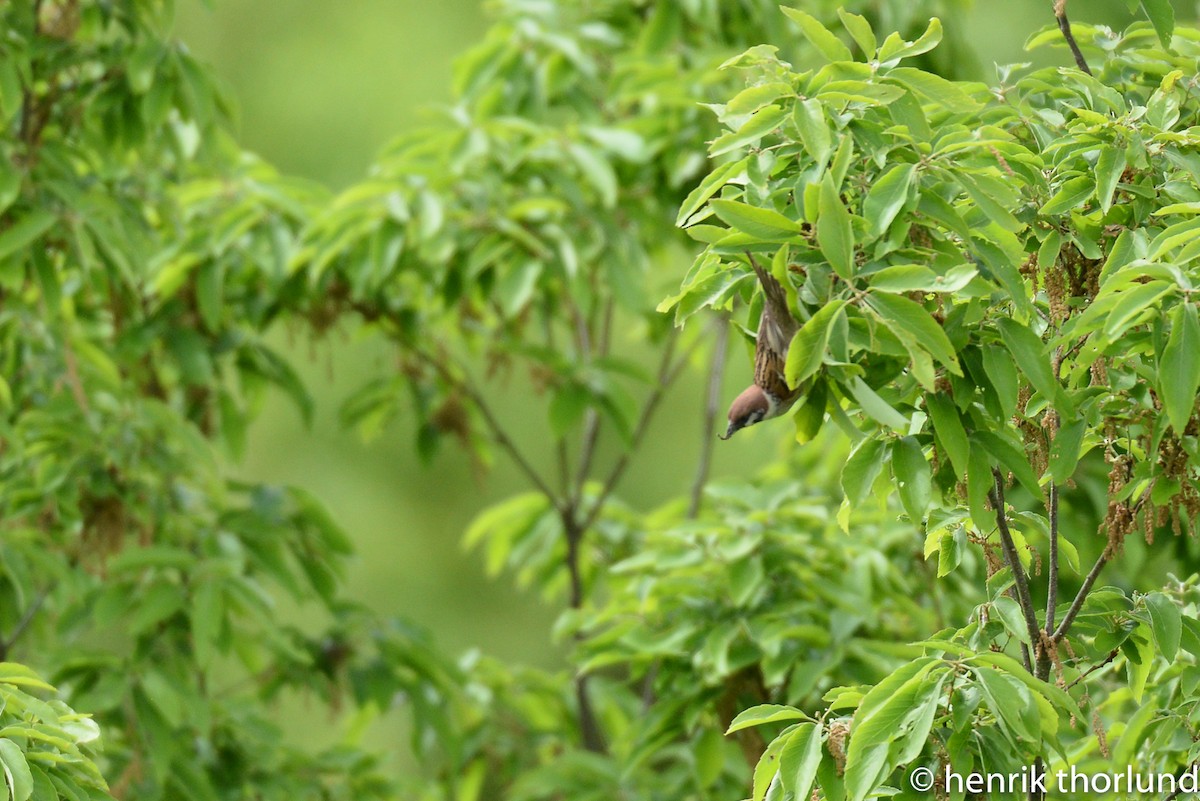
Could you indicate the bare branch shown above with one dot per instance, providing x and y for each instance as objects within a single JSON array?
[
  {"x": 711, "y": 408},
  {"x": 7, "y": 644},
  {"x": 1052, "y": 573},
  {"x": 1064, "y": 25},
  {"x": 497, "y": 430},
  {"x": 1020, "y": 580},
  {"x": 668, "y": 371},
  {"x": 1082, "y": 595}
]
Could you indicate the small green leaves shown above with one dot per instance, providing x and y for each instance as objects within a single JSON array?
[
  {"x": 1179, "y": 368},
  {"x": 835, "y": 232}
]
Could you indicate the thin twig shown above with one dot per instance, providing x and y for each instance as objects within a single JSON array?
[
  {"x": 1064, "y": 25},
  {"x": 667, "y": 373},
  {"x": 711, "y": 409},
  {"x": 1052, "y": 573},
  {"x": 1020, "y": 580},
  {"x": 493, "y": 423},
  {"x": 1112, "y": 655},
  {"x": 7, "y": 644},
  {"x": 591, "y": 421},
  {"x": 1082, "y": 595}
]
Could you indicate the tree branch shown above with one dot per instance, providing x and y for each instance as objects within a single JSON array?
[
  {"x": 711, "y": 409},
  {"x": 7, "y": 644},
  {"x": 1052, "y": 572},
  {"x": 1082, "y": 595},
  {"x": 667, "y": 373},
  {"x": 493, "y": 423},
  {"x": 1064, "y": 25},
  {"x": 1020, "y": 580}
]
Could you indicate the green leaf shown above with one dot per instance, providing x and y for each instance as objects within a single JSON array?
[
  {"x": 598, "y": 171},
  {"x": 764, "y": 713},
  {"x": 515, "y": 288},
  {"x": 874, "y": 406},
  {"x": 1110, "y": 165},
  {"x": 1000, "y": 370},
  {"x": 913, "y": 477},
  {"x": 887, "y": 196},
  {"x": 1178, "y": 374},
  {"x": 1166, "y": 624},
  {"x": 835, "y": 231},
  {"x": 807, "y": 349},
  {"x": 908, "y": 320},
  {"x": 934, "y": 88},
  {"x": 1071, "y": 194},
  {"x": 767, "y": 225},
  {"x": 983, "y": 190},
  {"x": 1065, "y": 450},
  {"x": 809, "y": 117},
  {"x": 979, "y": 483},
  {"x": 760, "y": 123},
  {"x": 894, "y": 47},
  {"x": 820, "y": 36},
  {"x": 16, "y": 771},
  {"x": 25, "y": 232},
  {"x": 1132, "y": 303},
  {"x": 21, "y": 676},
  {"x": 864, "y": 37},
  {"x": 1029, "y": 352},
  {"x": 567, "y": 407},
  {"x": 861, "y": 470},
  {"x": 1012, "y": 617},
  {"x": 1059, "y": 697},
  {"x": 1010, "y": 703},
  {"x": 1162, "y": 16},
  {"x": 711, "y": 184},
  {"x": 1139, "y": 656},
  {"x": 879, "y": 720},
  {"x": 949, "y": 429},
  {"x": 800, "y": 759},
  {"x": 1011, "y": 456}
]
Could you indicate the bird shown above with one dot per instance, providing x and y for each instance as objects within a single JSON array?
[{"x": 769, "y": 396}]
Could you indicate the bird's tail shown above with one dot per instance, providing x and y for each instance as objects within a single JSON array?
[{"x": 776, "y": 297}]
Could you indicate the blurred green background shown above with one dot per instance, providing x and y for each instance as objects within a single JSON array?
[{"x": 321, "y": 88}]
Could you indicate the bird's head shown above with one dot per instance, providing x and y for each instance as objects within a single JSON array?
[{"x": 751, "y": 407}]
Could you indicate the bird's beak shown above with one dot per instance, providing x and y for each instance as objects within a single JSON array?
[{"x": 729, "y": 432}]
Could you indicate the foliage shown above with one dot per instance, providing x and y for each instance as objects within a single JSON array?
[
  {"x": 46, "y": 748},
  {"x": 995, "y": 286},
  {"x": 993, "y": 283}
]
